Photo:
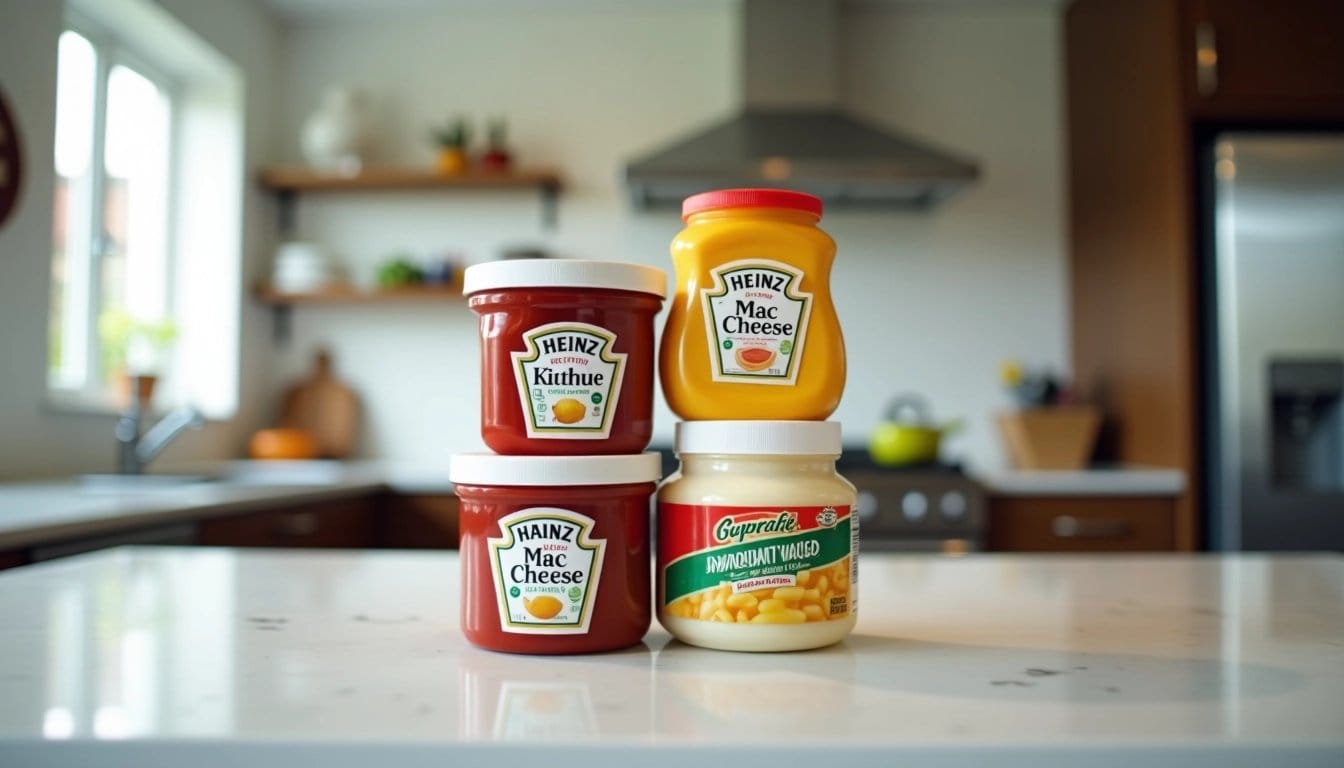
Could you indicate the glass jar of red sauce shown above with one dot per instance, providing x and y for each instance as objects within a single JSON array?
[
  {"x": 555, "y": 550},
  {"x": 567, "y": 354}
]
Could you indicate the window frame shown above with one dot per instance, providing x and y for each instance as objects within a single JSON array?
[{"x": 96, "y": 393}]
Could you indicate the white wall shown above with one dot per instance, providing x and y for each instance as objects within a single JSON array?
[
  {"x": 930, "y": 303},
  {"x": 35, "y": 440},
  {"x": 933, "y": 303},
  {"x": 28, "y": 78}
]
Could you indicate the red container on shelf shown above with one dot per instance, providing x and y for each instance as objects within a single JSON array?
[
  {"x": 555, "y": 550},
  {"x": 567, "y": 354}
]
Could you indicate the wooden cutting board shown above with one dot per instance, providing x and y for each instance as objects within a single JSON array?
[{"x": 325, "y": 408}]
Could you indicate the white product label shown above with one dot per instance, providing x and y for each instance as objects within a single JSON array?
[
  {"x": 546, "y": 571},
  {"x": 756, "y": 322},
  {"x": 569, "y": 381}
]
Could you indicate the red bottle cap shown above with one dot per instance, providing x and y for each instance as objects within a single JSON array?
[{"x": 751, "y": 198}]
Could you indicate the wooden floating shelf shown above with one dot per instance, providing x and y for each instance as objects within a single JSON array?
[
  {"x": 308, "y": 180},
  {"x": 351, "y": 295}
]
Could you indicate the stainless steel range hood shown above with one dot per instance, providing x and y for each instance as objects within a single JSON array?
[{"x": 791, "y": 133}]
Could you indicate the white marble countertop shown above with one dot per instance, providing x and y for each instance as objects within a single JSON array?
[
  {"x": 212, "y": 657},
  {"x": 1094, "y": 481},
  {"x": 59, "y": 510}
]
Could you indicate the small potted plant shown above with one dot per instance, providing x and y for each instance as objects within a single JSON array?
[
  {"x": 452, "y": 140},
  {"x": 133, "y": 349},
  {"x": 497, "y": 156}
]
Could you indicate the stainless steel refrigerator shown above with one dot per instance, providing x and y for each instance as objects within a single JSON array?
[{"x": 1275, "y": 372}]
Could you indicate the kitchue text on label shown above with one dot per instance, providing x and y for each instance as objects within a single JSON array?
[{"x": 569, "y": 381}]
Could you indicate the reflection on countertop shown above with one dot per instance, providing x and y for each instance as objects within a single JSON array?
[{"x": 356, "y": 656}]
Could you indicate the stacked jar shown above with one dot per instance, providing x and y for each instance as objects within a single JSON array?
[
  {"x": 554, "y": 522},
  {"x": 757, "y": 533}
]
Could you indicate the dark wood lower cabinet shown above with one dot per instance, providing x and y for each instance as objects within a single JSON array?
[
  {"x": 378, "y": 520},
  {"x": 1082, "y": 524},
  {"x": 420, "y": 521},
  {"x": 386, "y": 520},
  {"x": 342, "y": 523}
]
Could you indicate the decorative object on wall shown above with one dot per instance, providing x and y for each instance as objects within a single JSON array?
[
  {"x": 334, "y": 136},
  {"x": 452, "y": 140},
  {"x": 11, "y": 161}
]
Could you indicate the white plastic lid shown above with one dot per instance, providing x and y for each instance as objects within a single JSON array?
[
  {"x": 759, "y": 438},
  {"x": 492, "y": 469},
  {"x": 564, "y": 273}
]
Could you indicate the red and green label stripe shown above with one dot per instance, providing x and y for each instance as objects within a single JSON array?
[{"x": 693, "y": 573}]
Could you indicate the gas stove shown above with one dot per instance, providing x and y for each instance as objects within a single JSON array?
[{"x": 920, "y": 508}]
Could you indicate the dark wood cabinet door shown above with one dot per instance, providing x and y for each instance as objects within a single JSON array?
[
  {"x": 1081, "y": 524},
  {"x": 1267, "y": 58},
  {"x": 419, "y": 521},
  {"x": 343, "y": 523}
]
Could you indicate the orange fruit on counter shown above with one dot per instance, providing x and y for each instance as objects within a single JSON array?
[{"x": 282, "y": 444}]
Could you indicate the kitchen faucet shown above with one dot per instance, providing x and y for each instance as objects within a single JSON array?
[{"x": 135, "y": 450}]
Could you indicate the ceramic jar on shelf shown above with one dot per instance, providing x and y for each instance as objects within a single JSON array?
[{"x": 334, "y": 136}]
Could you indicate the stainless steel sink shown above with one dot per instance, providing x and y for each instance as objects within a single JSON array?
[
  {"x": 315, "y": 472},
  {"x": 146, "y": 483},
  {"x": 239, "y": 473}
]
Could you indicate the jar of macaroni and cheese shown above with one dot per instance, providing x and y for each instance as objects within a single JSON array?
[
  {"x": 758, "y": 537},
  {"x": 752, "y": 332}
]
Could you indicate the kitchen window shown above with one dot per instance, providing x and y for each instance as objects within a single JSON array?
[
  {"x": 147, "y": 223},
  {"x": 110, "y": 272}
]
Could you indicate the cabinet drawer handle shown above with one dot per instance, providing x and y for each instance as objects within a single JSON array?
[
  {"x": 1206, "y": 59},
  {"x": 301, "y": 524},
  {"x": 1070, "y": 527}
]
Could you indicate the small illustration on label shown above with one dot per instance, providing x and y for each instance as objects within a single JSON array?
[
  {"x": 546, "y": 571},
  {"x": 756, "y": 322},
  {"x": 827, "y": 517},
  {"x": 569, "y": 381}
]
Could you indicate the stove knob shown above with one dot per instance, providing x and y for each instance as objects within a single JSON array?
[
  {"x": 952, "y": 505},
  {"x": 867, "y": 506},
  {"x": 914, "y": 505}
]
